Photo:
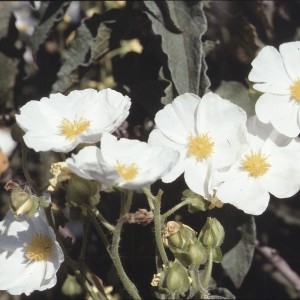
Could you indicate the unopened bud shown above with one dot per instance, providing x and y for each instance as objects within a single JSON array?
[
  {"x": 23, "y": 202},
  {"x": 82, "y": 191},
  {"x": 71, "y": 287},
  {"x": 196, "y": 202},
  {"x": 212, "y": 233},
  {"x": 178, "y": 235},
  {"x": 194, "y": 256},
  {"x": 177, "y": 279}
]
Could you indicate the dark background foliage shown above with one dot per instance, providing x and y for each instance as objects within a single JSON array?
[{"x": 188, "y": 46}]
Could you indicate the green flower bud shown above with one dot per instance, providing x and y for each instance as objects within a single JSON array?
[
  {"x": 178, "y": 236},
  {"x": 71, "y": 287},
  {"x": 177, "y": 279},
  {"x": 82, "y": 191},
  {"x": 194, "y": 256},
  {"x": 212, "y": 233},
  {"x": 196, "y": 202},
  {"x": 23, "y": 202},
  {"x": 217, "y": 255}
]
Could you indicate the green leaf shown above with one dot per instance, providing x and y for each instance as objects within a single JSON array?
[
  {"x": 8, "y": 72},
  {"x": 75, "y": 56},
  {"x": 184, "y": 50},
  {"x": 51, "y": 14},
  {"x": 100, "y": 45},
  {"x": 5, "y": 14},
  {"x": 238, "y": 260}
]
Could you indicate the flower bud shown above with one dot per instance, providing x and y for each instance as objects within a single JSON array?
[
  {"x": 212, "y": 233},
  {"x": 178, "y": 235},
  {"x": 194, "y": 256},
  {"x": 71, "y": 287},
  {"x": 177, "y": 279},
  {"x": 23, "y": 202},
  {"x": 196, "y": 202},
  {"x": 83, "y": 191}
]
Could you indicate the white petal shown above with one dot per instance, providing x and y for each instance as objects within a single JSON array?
[
  {"x": 156, "y": 137},
  {"x": 198, "y": 176},
  {"x": 268, "y": 67},
  {"x": 273, "y": 88},
  {"x": 177, "y": 119},
  {"x": 218, "y": 117},
  {"x": 291, "y": 57},
  {"x": 282, "y": 179},
  {"x": 245, "y": 193},
  {"x": 280, "y": 111},
  {"x": 88, "y": 163},
  {"x": 39, "y": 141},
  {"x": 152, "y": 163}
]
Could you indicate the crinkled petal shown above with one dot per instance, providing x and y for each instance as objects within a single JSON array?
[
  {"x": 245, "y": 193},
  {"x": 177, "y": 119},
  {"x": 268, "y": 68},
  {"x": 280, "y": 111},
  {"x": 291, "y": 58}
]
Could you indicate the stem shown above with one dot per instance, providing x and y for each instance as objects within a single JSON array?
[
  {"x": 84, "y": 242},
  {"x": 100, "y": 217},
  {"x": 196, "y": 282},
  {"x": 128, "y": 284},
  {"x": 25, "y": 166},
  {"x": 208, "y": 268},
  {"x": 68, "y": 260},
  {"x": 99, "y": 230},
  {"x": 155, "y": 202},
  {"x": 175, "y": 208}
]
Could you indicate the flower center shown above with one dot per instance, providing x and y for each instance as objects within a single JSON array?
[
  {"x": 70, "y": 129},
  {"x": 255, "y": 164},
  {"x": 295, "y": 90},
  {"x": 127, "y": 172},
  {"x": 200, "y": 146},
  {"x": 39, "y": 248}
]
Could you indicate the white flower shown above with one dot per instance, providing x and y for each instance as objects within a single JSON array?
[
  {"x": 209, "y": 133},
  {"x": 60, "y": 123},
  {"x": 7, "y": 144},
  {"x": 270, "y": 165},
  {"x": 277, "y": 75},
  {"x": 130, "y": 164},
  {"x": 29, "y": 254}
]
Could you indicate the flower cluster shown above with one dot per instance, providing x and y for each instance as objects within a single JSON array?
[
  {"x": 224, "y": 155},
  {"x": 237, "y": 160}
]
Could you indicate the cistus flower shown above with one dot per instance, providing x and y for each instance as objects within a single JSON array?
[
  {"x": 130, "y": 164},
  {"x": 29, "y": 254},
  {"x": 277, "y": 75},
  {"x": 270, "y": 165},
  {"x": 209, "y": 134},
  {"x": 60, "y": 123}
]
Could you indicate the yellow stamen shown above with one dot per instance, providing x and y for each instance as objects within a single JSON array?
[
  {"x": 39, "y": 248},
  {"x": 295, "y": 90},
  {"x": 255, "y": 164},
  {"x": 70, "y": 129},
  {"x": 127, "y": 172},
  {"x": 200, "y": 146}
]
